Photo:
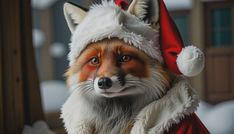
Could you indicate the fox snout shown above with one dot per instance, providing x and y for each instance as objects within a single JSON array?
[
  {"x": 107, "y": 82},
  {"x": 108, "y": 86},
  {"x": 104, "y": 83}
]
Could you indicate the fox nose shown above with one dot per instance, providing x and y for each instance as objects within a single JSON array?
[{"x": 104, "y": 83}]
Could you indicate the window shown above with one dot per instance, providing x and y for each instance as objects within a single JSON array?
[
  {"x": 221, "y": 19},
  {"x": 219, "y": 50}
]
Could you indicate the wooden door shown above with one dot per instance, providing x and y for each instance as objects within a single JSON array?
[{"x": 219, "y": 22}]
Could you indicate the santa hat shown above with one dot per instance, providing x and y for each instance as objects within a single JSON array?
[{"x": 146, "y": 25}]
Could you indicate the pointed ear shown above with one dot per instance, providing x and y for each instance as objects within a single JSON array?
[
  {"x": 147, "y": 10},
  {"x": 73, "y": 15}
]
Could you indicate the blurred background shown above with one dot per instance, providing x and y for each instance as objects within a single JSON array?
[{"x": 208, "y": 24}]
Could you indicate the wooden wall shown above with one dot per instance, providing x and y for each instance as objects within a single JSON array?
[{"x": 19, "y": 87}]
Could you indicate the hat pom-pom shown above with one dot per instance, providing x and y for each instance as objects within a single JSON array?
[{"x": 190, "y": 61}]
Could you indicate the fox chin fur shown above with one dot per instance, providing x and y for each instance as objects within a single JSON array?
[{"x": 102, "y": 114}]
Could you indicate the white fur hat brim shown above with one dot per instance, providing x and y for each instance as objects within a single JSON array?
[{"x": 107, "y": 20}]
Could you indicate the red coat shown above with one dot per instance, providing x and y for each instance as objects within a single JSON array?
[{"x": 189, "y": 125}]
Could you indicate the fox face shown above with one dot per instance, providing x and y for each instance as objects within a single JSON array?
[{"x": 112, "y": 68}]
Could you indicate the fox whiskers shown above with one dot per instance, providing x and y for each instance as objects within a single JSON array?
[
  {"x": 154, "y": 86},
  {"x": 83, "y": 87}
]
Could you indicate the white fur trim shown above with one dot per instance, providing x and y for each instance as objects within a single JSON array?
[
  {"x": 107, "y": 21},
  {"x": 160, "y": 115},
  {"x": 190, "y": 61}
]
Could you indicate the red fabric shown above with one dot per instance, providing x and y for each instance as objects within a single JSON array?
[
  {"x": 189, "y": 125},
  {"x": 170, "y": 39},
  {"x": 122, "y": 3}
]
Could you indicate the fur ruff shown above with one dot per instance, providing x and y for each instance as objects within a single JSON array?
[
  {"x": 160, "y": 115},
  {"x": 155, "y": 118}
]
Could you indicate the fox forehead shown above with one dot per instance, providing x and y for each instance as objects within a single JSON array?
[{"x": 112, "y": 46}]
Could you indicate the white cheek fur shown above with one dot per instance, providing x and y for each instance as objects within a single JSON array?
[
  {"x": 74, "y": 82},
  {"x": 96, "y": 88}
]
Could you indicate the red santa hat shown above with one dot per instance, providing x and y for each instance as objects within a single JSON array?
[
  {"x": 160, "y": 40},
  {"x": 179, "y": 59}
]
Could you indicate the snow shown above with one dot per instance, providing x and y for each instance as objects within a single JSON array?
[
  {"x": 219, "y": 119},
  {"x": 39, "y": 127},
  {"x": 57, "y": 50},
  {"x": 38, "y": 38},
  {"x": 54, "y": 94},
  {"x": 42, "y": 4}
]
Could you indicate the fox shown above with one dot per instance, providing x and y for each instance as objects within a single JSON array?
[
  {"x": 116, "y": 80},
  {"x": 117, "y": 76}
]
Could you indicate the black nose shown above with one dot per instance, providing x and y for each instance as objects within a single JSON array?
[{"x": 104, "y": 83}]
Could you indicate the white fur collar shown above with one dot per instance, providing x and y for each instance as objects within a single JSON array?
[
  {"x": 160, "y": 115},
  {"x": 155, "y": 118}
]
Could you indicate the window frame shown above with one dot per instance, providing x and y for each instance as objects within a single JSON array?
[
  {"x": 208, "y": 7},
  {"x": 218, "y": 59}
]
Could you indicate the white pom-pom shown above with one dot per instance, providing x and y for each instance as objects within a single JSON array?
[{"x": 190, "y": 61}]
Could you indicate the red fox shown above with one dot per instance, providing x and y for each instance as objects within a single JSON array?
[
  {"x": 125, "y": 71},
  {"x": 118, "y": 80}
]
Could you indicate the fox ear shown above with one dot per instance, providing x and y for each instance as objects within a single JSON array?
[
  {"x": 147, "y": 10},
  {"x": 73, "y": 15}
]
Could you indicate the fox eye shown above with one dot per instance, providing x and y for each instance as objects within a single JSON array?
[
  {"x": 94, "y": 61},
  {"x": 125, "y": 58}
]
